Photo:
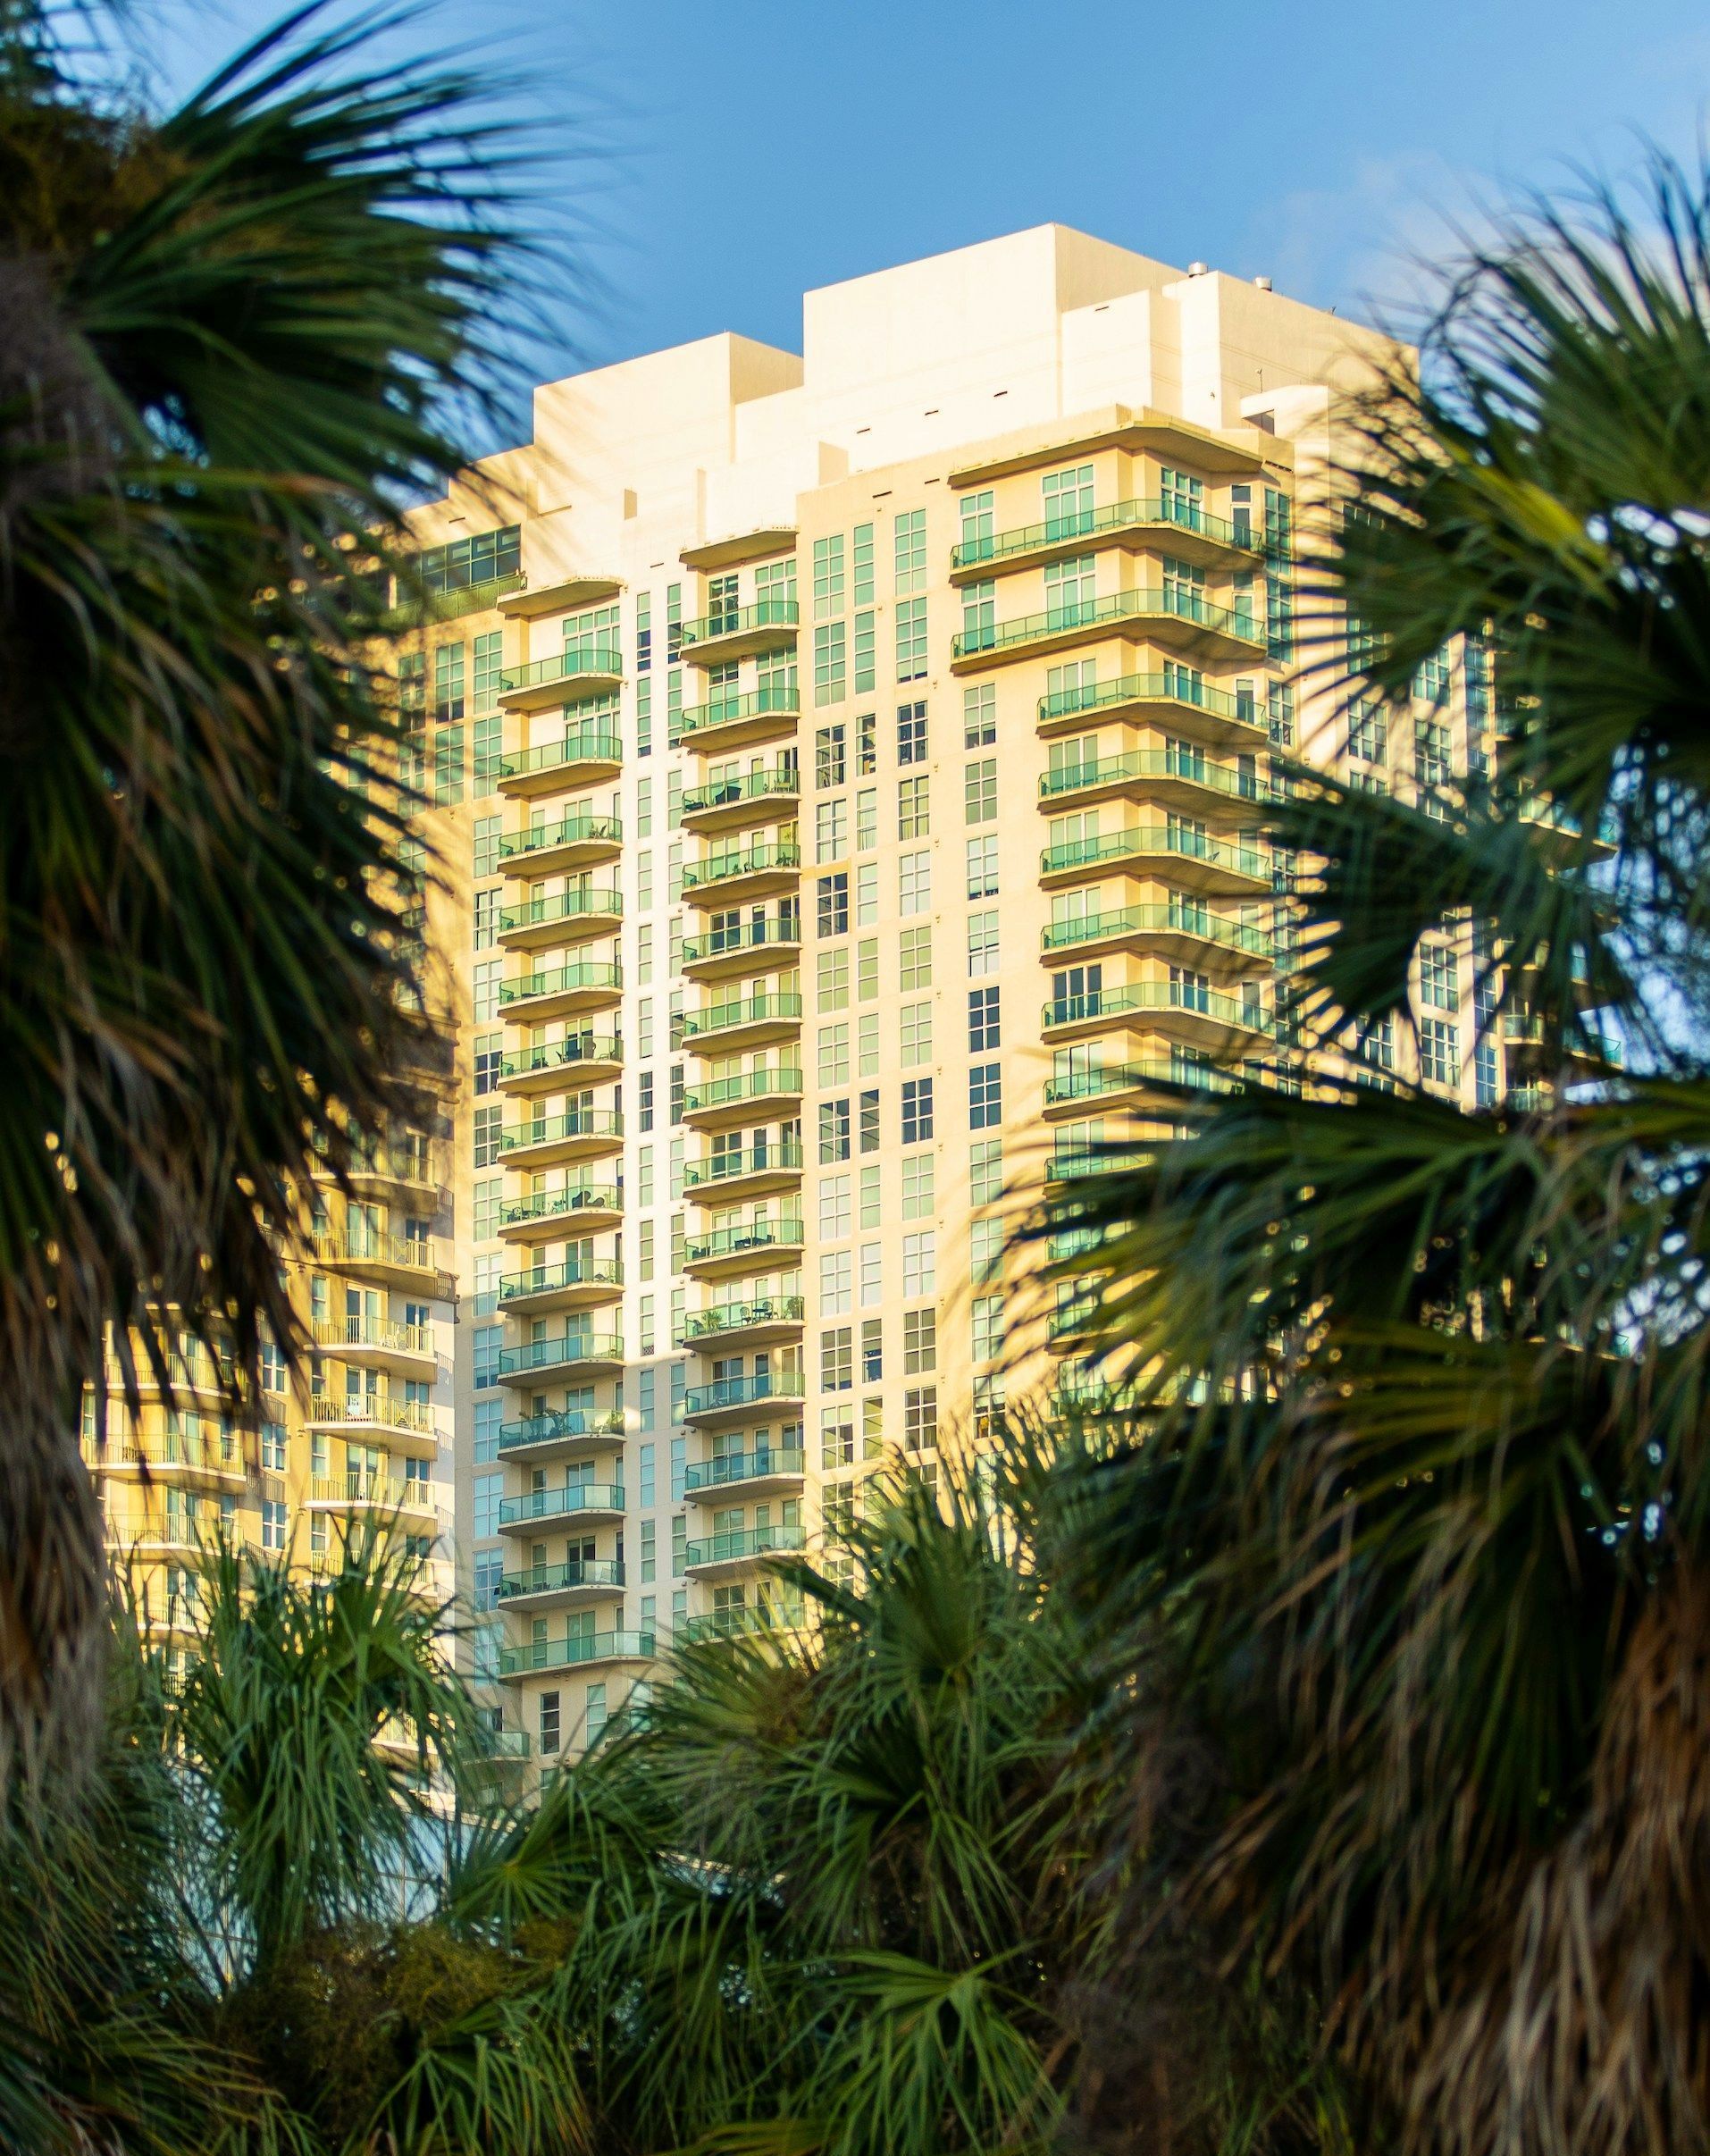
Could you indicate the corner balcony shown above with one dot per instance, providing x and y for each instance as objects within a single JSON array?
[
  {"x": 770, "y": 624},
  {"x": 586, "y": 1652},
  {"x": 580, "y": 670},
  {"x": 563, "y": 918},
  {"x": 379, "y": 1344},
  {"x": 562, "y": 990},
  {"x": 577, "y": 841},
  {"x": 737, "y": 1100},
  {"x": 733, "y": 1477},
  {"x": 737, "y": 722},
  {"x": 1219, "y": 867},
  {"x": 1200, "y": 1017},
  {"x": 774, "y": 1317},
  {"x": 570, "y": 1505},
  {"x": 563, "y": 1433},
  {"x": 732, "y": 949},
  {"x": 1188, "y": 532},
  {"x": 750, "y": 1173},
  {"x": 582, "y": 1579},
  {"x": 545, "y": 1216},
  {"x": 585, "y": 756},
  {"x": 755, "y": 797},
  {"x": 728, "y": 1399},
  {"x": 551, "y": 1140},
  {"x": 750, "y": 1023},
  {"x": 1131, "y": 1086},
  {"x": 169, "y": 1457},
  {"x": 1189, "y": 936},
  {"x": 1218, "y": 715},
  {"x": 757, "y": 1248},
  {"x": 1180, "y": 619},
  {"x": 568, "y": 1356},
  {"x": 577, "y": 1284},
  {"x": 1155, "y": 775},
  {"x": 726, "y": 1553},
  {"x": 398, "y": 1261},
  {"x": 741, "y": 874},
  {"x": 582, "y": 1058}
]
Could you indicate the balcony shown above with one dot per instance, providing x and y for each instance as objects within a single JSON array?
[
  {"x": 766, "y": 1317},
  {"x": 551, "y": 1139},
  {"x": 380, "y": 1343},
  {"x": 1176, "y": 697},
  {"x": 392, "y": 1174},
  {"x": 384, "y": 1414},
  {"x": 543, "y": 1216},
  {"x": 747, "y": 1546},
  {"x": 742, "y": 1173},
  {"x": 569, "y": 595},
  {"x": 1155, "y": 775},
  {"x": 580, "y": 669},
  {"x": 740, "y": 1397},
  {"x": 1217, "y": 866},
  {"x": 754, "y": 797},
  {"x": 580, "y": 1653},
  {"x": 570, "y": 1354},
  {"x": 172, "y": 1456},
  {"x": 577, "y": 1284},
  {"x": 576, "y": 841},
  {"x": 400, "y": 1261},
  {"x": 735, "y": 722},
  {"x": 733, "y": 1477},
  {"x": 742, "y": 1023},
  {"x": 741, "y": 1623},
  {"x": 734, "y": 1100},
  {"x": 743, "y": 873},
  {"x": 1201, "y": 1016},
  {"x": 549, "y": 1586},
  {"x": 770, "y": 624},
  {"x": 570, "y": 1504},
  {"x": 565, "y": 1433},
  {"x": 1131, "y": 1083},
  {"x": 586, "y": 756},
  {"x": 1170, "y": 615},
  {"x": 584, "y": 1059},
  {"x": 1187, "y": 531},
  {"x": 407, "y": 1496},
  {"x": 562, "y": 990},
  {"x": 748, "y": 1249},
  {"x": 1186, "y": 934},
  {"x": 732, "y": 949},
  {"x": 563, "y": 918}
]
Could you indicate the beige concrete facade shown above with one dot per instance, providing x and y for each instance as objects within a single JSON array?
[{"x": 848, "y": 771}]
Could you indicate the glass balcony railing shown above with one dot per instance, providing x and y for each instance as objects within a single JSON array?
[
  {"x": 584, "y": 1123},
  {"x": 1167, "y": 511},
  {"x": 1178, "y": 687},
  {"x": 1141, "y": 839},
  {"x": 568, "y": 666},
  {"x": 741, "y": 1317},
  {"x": 574, "y": 1652},
  {"x": 555, "y": 1205},
  {"x": 566, "y": 1348},
  {"x": 1166, "y": 604},
  {"x": 729, "y": 710},
  {"x": 562, "y": 980},
  {"x": 586, "y": 745},
  {"x": 567, "y": 1498},
  {"x": 756, "y": 1010},
  {"x": 743, "y": 1392},
  {"x": 747, "y": 1542},
  {"x": 574, "y": 1272},
  {"x": 746, "y": 1467},
  {"x": 383, "y": 1333},
  {"x": 557, "y": 1424},
  {"x": 746, "y": 1085},
  {"x": 779, "y": 613},
  {"x": 748, "y": 935},
  {"x": 1125, "y": 1078},
  {"x": 549, "y": 1579},
  {"x": 1143, "y": 764},
  {"x": 751, "y": 787},
  {"x": 757, "y": 1238},
  {"x": 786, "y": 1154},
  {"x": 1157, "y": 920},
  {"x": 562, "y": 906},
  {"x": 579, "y": 1049},
  {"x": 748, "y": 860},
  {"x": 1097, "y": 1004},
  {"x": 568, "y": 831},
  {"x": 374, "y": 1248}
]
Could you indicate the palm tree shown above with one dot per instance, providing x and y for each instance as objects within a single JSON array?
[
  {"x": 234, "y": 339},
  {"x": 1412, "y": 1529}
]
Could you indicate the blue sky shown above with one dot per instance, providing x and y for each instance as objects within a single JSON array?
[{"x": 736, "y": 154}]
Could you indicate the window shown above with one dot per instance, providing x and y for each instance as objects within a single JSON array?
[
  {"x": 982, "y": 943},
  {"x": 489, "y": 1339},
  {"x": 487, "y": 918},
  {"x": 914, "y": 806},
  {"x": 551, "y": 1723},
  {"x": 985, "y": 1171},
  {"x": 836, "y": 1446},
  {"x": 836, "y": 1284},
  {"x": 983, "y": 1019},
  {"x": 914, "y": 884},
  {"x": 1431, "y": 766},
  {"x": 830, "y": 663},
  {"x": 866, "y": 819},
  {"x": 490, "y": 1570},
  {"x": 834, "y": 1130},
  {"x": 916, "y": 1111},
  {"x": 830, "y": 761},
  {"x": 911, "y": 733},
  {"x": 980, "y": 791},
  {"x": 979, "y": 716},
  {"x": 911, "y": 639},
  {"x": 488, "y": 1129},
  {"x": 917, "y": 1034},
  {"x": 488, "y": 1490},
  {"x": 1438, "y": 977},
  {"x": 984, "y": 1096},
  {"x": 273, "y": 1523},
  {"x": 920, "y": 1265},
  {"x": 1439, "y": 1054},
  {"x": 833, "y": 1054},
  {"x": 918, "y": 1199},
  {"x": 869, "y": 1112},
  {"x": 644, "y": 1102},
  {"x": 828, "y": 577},
  {"x": 986, "y": 1247},
  {"x": 914, "y": 957},
  {"x": 487, "y": 1199},
  {"x": 833, "y": 892},
  {"x": 834, "y": 1207},
  {"x": 488, "y": 1058},
  {"x": 448, "y": 682},
  {"x": 489, "y": 1416},
  {"x": 921, "y": 1417},
  {"x": 982, "y": 866},
  {"x": 911, "y": 531},
  {"x": 487, "y": 835},
  {"x": 831, "y": 829},
  {"x": 1368, "y": 731},
  {"x": 986, "y": 1312},
  {"x": 650, "y": 1545},
  {"x": 920, "y": 1341},
  {"x": 488, "y": 971},
  {"x": 447, "y": 767},
  {"x": 837, "y": 1359},
  {"x": 865, "y": 657},
  {"x": 834, "y": 979}
]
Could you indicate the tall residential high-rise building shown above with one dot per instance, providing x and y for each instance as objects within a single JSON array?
[{"x": 846, "y": 775}]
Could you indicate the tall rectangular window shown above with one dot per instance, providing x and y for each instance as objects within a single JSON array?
[
  {"x": 866, "y": 649},
  {"x": 911, "y": 531},
  {"x": 920, "y": 1265},
  {"x": 832, "y": 902},
  {"x": 985, "y": 1171},
  {"x": 448, "y": 682},
  {"x": 1439, "y": 1055},
  {"x": 490, "y": 676},
  {"x": 982, "y": 951},
  {"x": 830, "y": 663},
  {"x": 914, "y": 806},
  {"x": 982, "y": 1025},
  {"x": 828, "y": 577},
  {"x": 914, "y": 959},
  {"x": 920, "y": 1341},
  {"x": 919, "y": 1201},
  {"x": 861, "y": 564},
  {"x": 830, "y": 758},
  {"x": 979, "y": 715},
  {"x": 911, "y": 733},
  {"x": 911, "y": 639},
  {"x": 488, "y": 830},
  {"x": 914, "y": 883},
  {"x": 980, "y": 791},
  {"x": 916, "y": 1111},
  {"x": 917, "y": 1034},
  {"x": 984, "y": 1096},
  {"x": 982, "y": 866}
]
